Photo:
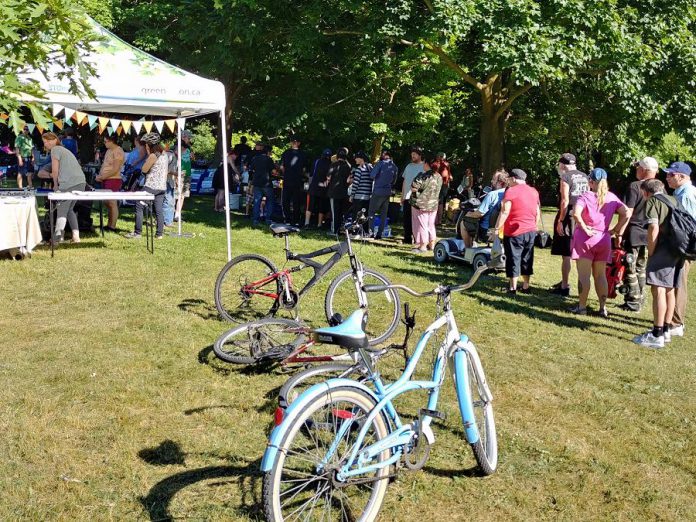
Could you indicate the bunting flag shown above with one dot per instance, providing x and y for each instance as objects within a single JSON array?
[
  {"x": 110, "y": 130},
  {"x": 181, "y": 122},
  {"x": 126, "y": 124},
  {"x": 119, "y": 130},
  {"x": 137, "y": 125},
  {"x": 80, "y": 117},
  {"x": 57, "y": 108},
  {"x": 103, "y": 122},
  {"x": 68, "y": 121},
  {"x": 31, "y": 127},
  {"x": 91, "y": 120},
  {"x": 92, "y": 125},
  {"x": 159, "y": 125},
  {"x": 68, "y": 113},
  {"x": 50, "y": 126},
  {"x": 171, "y": 124},
  {"x": 148, "y": 126},
  {"x": 115, "y": 123},
  {"x": 59, "y": 124},
  {"x": 41, "y": 129}
]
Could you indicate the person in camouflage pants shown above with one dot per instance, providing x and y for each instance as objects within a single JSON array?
[{"x": 425, "y": 197}]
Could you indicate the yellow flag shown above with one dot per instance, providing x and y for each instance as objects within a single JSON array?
[
  {"x": 126, "y": 124},
  {"x": 171, "y": 124},
  {"x": 79, "y": 117},
  {"x": 103, "y": 122},
  {"x": 58, "y": 123},
  {"x": 148, "y": 126},
  {"x": 41, "y": 129},
  {"x": 119, "y": 130}
]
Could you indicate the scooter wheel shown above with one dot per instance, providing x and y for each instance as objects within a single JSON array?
[{"x": 440, "y": 254}]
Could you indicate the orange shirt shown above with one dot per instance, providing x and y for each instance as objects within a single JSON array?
[{"x": 113, "y": 161}]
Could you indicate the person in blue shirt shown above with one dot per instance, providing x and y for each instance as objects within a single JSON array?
[
  {"x": 68, "y": 141},
  {"x": 384, "y": 175},
  {"x": 476, "y": 223},
  {"x": 679, "y": 179}
]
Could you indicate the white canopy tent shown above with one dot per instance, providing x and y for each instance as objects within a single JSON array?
[{"x": 132, "y": 81}]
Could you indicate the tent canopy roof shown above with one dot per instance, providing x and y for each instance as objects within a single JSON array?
[{"x": 132, "y": 81}]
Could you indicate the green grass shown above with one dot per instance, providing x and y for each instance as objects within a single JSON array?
[{"x": 113, "y": 406}]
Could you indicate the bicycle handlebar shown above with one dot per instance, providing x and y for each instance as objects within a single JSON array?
[{"x": 435, "y": 291}]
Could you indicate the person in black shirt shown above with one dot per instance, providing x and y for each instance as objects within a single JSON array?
[
  {"x": 293, "y": 165},
  {"x": 243, "y": 151},
  {"x": 260, "y": 171},
  {"x": 635, "y": 237},
  {"x": 317, "y": 201},
  {"x": 338, "y": 175}
]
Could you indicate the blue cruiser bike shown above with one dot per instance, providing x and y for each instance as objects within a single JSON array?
[{"x": 341, "y": 441}]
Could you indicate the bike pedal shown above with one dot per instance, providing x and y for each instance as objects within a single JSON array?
[{"x": 432, "y": 413}]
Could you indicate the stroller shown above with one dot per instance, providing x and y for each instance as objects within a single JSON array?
[{"x": 615, "y": 272}]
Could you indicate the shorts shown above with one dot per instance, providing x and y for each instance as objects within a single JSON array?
[
  {"x": 561, "y": 245},
  {"x": 186, "y": 193},
  {"x": 593, "y": 250},
  {"x": 27, "y": 169},
  {"x": 318, "y": 204},
  {"x": 664, "y": 268},
  {"x": 473, "y": 227},
  {"x": 519, "y": 254},
  {"x": 113, "y": 184}
]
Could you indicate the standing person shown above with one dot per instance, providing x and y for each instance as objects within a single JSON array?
[
  {"x": 242, "y": 150},
  {"x": 518, "y": 220},
  {"x": 362, "y": 186},
  {"x": 636, "y": 235},
  {"x": 155, "y": 168},
  {"x": 664, "y": 268},
  {"x": 187, "y": 156},
  {"x": 233, "y": 180},
  {"x": 591, "y": 245},
  {"x": 69, "y": 141},
  {"x": 136, "y": 157},
  {"x": 442, "y": 167},
  {"x": 23, "y": 148},
  {"x": 260, "y": 171},
  {"x": 110, "y": 177},
  {"x": 317, "y": 200},
  {"x": 467, "y": 184},
  {"x": 67, "y": 176},
  {"x": 679, "y": 179},
  {"x": 410, "y": 172},
  {"x": 384, "y": 175},
  {"x": 337, "y": 190},
  {"x": 293, "y": 165},
  {"x": 573, "y": 183},
  {"x": 425, "y": 193}
]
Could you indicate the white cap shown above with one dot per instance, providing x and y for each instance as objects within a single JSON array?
[{"x": 649, "y": 163}]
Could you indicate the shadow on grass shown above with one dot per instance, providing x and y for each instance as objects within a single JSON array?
[
  {"x": 453, "y": 473},
  {"x": 199, "y": 307},
  {"x": 166, "y": 453}
]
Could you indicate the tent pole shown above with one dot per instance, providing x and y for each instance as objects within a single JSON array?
[
  {"x": 178, "y": 181},
  {"x": 223, "y": 128}
]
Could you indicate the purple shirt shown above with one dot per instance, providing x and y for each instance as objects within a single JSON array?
[{"x": 597, "y": 218}]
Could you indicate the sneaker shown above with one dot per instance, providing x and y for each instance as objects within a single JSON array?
[
  {"x": 563, "y": 292},
  {"x": 558, "y": 285},
  {"x": 160, "y": 236},
  {"x": 668, "y": 336},
  {"x": 511, "y": 291},
  {"x": 132, "y": 235},
  {"x": 577, "y": 310},
  {"x": 417, "y": 251},
  {"x": 525, "y": 290},
  {"x": 630, "y": 308},
  {"x": 677, "y": 331},
  {"x": 603, "y": 312},
  {"x": 649, "y": 340}
]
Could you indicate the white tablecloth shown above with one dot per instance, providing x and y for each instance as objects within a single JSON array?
[{"x": 19, "y": 224}]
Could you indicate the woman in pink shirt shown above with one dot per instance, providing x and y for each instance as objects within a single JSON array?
[{"x": 591, "y": 243}]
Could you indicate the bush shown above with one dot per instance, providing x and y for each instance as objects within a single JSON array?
[{"x": 204, "y": 140}]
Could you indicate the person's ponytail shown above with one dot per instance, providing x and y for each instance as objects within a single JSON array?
[{"x": 602, "y": 190}]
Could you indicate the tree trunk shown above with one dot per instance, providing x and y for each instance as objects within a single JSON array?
[
  {"x": 493, "y": 125},
  {"x": 377, "y": 147}
]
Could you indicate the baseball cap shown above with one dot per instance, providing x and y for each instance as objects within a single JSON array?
[
  {"x": 567, "y": 159},
  {"x": 518, "y": 174},
  {"x": 295, "y": 137},
  {"x": 648, "y": 162},
  {"x": 598, "y": 174},
  {"x": 680, "y": 167},
  {"x": 327, "y": 153}
]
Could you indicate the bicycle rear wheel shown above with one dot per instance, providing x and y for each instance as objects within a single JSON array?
[
  {"x": 271, "y": 339},
  {"x": 384, "y": 308},
  {"x": 302, "y": 484},
  {"x": 308, "y": 377},
  {"x": 245, "y": 289}
]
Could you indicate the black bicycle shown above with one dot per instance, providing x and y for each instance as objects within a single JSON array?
[{"x": 250, "y": 286}]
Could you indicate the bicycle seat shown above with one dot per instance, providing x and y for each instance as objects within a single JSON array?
[
  {"x": 349, "y": 334},
  {"x": 281, "y": 230}
]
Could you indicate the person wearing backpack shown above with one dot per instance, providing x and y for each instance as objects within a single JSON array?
[
  {"x": 663, "y": 271},
  {"x": 679, "y": 179}
]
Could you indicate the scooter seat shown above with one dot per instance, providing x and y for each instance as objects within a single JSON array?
[
  {"x": 349, "y": 334},
  {"x": 281, "y": 230}
]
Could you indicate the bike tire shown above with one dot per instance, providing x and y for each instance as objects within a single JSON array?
[
  {"x": 312, "y": 375},
  {"x": 251, "y": 342},
  {"x": 383, "y": 313},
  {"x": 316, "y": 423},
  {"x": 486, "y": 448},
  {"x": 231, "y": 302}
]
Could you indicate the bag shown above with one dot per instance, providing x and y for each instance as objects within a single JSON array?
[
  {"x": 542, "y": 240},
  {"x": 682, "y": 235}
]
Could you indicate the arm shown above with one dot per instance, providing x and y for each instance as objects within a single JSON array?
[
  {"x": 624, "y": 214},
  {"x": 20, "y": 160},
  {"x": 563, "y": 208},
  {"x": 55, "y": 169},
  {"x": 149, "y": 162},
  {"x": 504, "y": 214},
  {"x": 653, "y": 232},
  {"x": 577, "y": 215}
]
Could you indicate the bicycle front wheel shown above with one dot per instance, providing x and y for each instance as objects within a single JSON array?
[
  {"x": 246, "y": 290},
  {"x": 271, "y": 339},
  {"x": 308, "y": 377},
  {"x": 384, "y": 308},
  {"x": 302, "y": 483}
]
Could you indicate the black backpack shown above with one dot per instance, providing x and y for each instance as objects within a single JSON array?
[{"x": 682, "y": 235}]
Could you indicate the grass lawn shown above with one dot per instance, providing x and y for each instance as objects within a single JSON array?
[{"x": 114, "y": 407}]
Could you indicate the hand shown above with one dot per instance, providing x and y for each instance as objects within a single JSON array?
[
  {"x": 20, "y": 161},
  {"x": 589, "y": 231},
  {"x": 559, "y": 228}
]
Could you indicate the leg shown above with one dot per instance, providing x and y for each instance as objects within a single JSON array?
[
  {"x": 669, "y": 306},
  {"x": 383, "y": 208},
  {"x": 527, "y": 258},
  {"x": 416, "y": 228},
  {"x": 139, "y": 209},
  {"x": 159, "y": 212},
  {"x": 297, "y": 206},
  {"x": 634, "y": 278},
  {"x": 270, "y": 203},
  {"x": 584, "y": 272},
  {"x": 599, "y": 273},
  {"x": 566, "y": 265},
  {"x": 408, "y": 224},
  {"x": 169, "y": 205},
  {"x": 256, "y": 211},
  {"x": 74, "y": 224},
  {"x": 681, "y": 296},
  {"x": 285, "y": 200},
  {"x": 659, "y": 295},
  {"x": 371, "y": 210},
  {"x": 432, "y": 231}
]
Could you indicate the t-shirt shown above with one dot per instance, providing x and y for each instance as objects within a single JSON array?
[
  {"x": 70, "y": 144},
  {"x": 25, "y": 145},
  {"x": 657, "y": 212},
  {"x": 637, "y": 231},
  {"x": 410, "y": 173},
  {"x": 243, "y": 151},
  {"x": 686, "y": 198},
  {"x": 317, "y": 186},
  {"x": 597, "y": 218},
  {"x": 156, "y": 177},
  {"x": 134, "y": 160},
  {"x": 488, "y": 206},
  {"x": 294, "y": 163},
  {"x": 185, "y": 161},
  {"x": 339, "y": 172},
  {"x": 578, "y": 184},
  {"x": 70, "y": 173},
  {"x": 261, "y": 168},
  {"x": 113, "y": 161},
  {"x": 523, "y": 212}
]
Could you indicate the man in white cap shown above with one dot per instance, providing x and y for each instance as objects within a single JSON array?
[{"x": 635, "y": 237}]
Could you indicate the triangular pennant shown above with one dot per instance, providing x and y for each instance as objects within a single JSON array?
[
  {"x": 68, "y": 121},
  {"x": 148, "y": 126},
  {"x": 41, "y": 129},
  {"x": 69, "y": 113},
  {"x": 115, "y": 123},
  {"x": 119, "y": 130},
  {"x": 181, "y": 122},
  {"x": 137, "y": 125},
  {"x": 110, "y": 130},
  {"x": 126, "y": 124},
  {"x": 79, "y": 117},
  {"x": 31, "y": 127},
  {"x": 57, "y": 108},
  {"x": 91, "y": 120},
  {"x": 59, "y": 124},
  {"x": 92, "y": 125},
  {"x": 50, "y": 126},
  {"x": 171, "y": 124},
  {"x": 159, "y": 125},
  {"x": 103, "y": 122}
]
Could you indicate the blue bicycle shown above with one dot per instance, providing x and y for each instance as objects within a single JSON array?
[{"x": 341, "y": 441}]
